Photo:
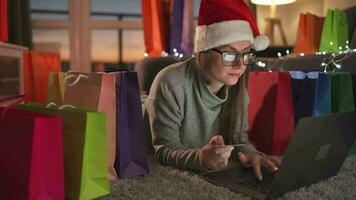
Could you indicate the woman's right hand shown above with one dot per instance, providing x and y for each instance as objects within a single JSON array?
[{"x": 215, "y": 155}]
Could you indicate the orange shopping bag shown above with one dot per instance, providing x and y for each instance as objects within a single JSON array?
[
  {"x": 37, "y": 66},
  {"x": 156, "y": 25},
  {"x": 309, "y": 33}
]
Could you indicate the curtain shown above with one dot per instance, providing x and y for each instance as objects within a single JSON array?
[{"x": 19, "y": 22}]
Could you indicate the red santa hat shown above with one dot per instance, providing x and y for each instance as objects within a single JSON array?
[{"x": 223, "y": 22}]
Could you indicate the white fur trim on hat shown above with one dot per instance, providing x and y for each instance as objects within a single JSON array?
[{"x": 227, "y": 32}]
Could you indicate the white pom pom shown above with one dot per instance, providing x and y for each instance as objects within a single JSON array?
[{"x": 261, "y": 43}]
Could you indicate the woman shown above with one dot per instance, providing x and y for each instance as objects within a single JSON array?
[{"x": 197, "y": 106}]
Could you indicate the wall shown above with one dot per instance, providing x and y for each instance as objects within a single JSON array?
[{"x": 289, "y": 15}]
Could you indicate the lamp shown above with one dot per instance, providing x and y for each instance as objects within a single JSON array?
[{"x": 272, "y": 19}]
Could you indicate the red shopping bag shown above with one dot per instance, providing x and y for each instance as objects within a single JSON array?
[
  {"x": 271, "y": 116},
  {"x": 31, "y": 155},
  {"x": 37, "y": 66},
  {"x": 3, "y": 21}
]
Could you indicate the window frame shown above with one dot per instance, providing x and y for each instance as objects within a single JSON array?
[{"x": 80, "y": 26}]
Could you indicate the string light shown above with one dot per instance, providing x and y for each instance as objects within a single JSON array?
[
  {"x": 145, "y": 55},
  {"x": 164, "y": 53},
  {"x": 261, "y": 64},
  {"x": 331, "y": 61},
  {"x": 336, "y": 59}
]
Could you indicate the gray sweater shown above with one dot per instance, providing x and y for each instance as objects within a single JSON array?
[{"x": 183, "y": 116}]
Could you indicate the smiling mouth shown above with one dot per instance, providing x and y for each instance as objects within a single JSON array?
[{"x": 235, "y": 74}]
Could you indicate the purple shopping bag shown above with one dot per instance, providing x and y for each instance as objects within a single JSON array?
[{"x": 130, "y": 140}]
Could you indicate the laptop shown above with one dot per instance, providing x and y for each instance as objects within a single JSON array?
[{"x": 316, "y": 152}]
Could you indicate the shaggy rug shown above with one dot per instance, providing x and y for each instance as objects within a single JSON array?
[{"x": 168, "y": 183}]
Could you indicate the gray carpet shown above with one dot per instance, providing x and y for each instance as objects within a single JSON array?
[{"x": 168, "y": 183}]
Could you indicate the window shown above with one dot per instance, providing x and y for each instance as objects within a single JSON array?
[
  {"x": 51, "y": 28},
  {"x": 97, "y": 31}
]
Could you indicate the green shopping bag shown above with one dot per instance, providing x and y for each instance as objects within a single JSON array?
[
  {"x": 334, "y": 93},
  {"x": 85, "y": 150},
  {"x": 335, "y": 31}
]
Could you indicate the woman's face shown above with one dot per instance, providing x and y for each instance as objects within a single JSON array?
[{"x": 221, "y": 74}]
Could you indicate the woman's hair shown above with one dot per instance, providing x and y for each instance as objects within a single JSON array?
[{"x": 232, "y": 111}]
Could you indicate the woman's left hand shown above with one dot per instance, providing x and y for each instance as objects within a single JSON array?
[{"x": 270, "y": 163}]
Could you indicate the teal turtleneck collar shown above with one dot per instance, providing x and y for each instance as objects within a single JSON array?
[{"x": 207, "y": 96}]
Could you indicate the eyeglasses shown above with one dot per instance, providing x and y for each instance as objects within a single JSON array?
[{"x": 230, "y": 58}]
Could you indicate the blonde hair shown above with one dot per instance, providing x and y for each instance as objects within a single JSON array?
[{"x": 233, "y": 110}]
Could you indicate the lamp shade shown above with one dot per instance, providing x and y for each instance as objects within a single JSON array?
[{"x": 272, "y": 2}]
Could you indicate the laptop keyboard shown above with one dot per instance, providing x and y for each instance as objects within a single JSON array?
[{"x": 260, "y": 186}]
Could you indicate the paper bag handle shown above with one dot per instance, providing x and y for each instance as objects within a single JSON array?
[
  {"x": 61, "y": 107},
  {"x": 66, "y": 79}
]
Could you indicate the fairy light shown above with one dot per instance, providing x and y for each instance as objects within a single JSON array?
[
  {"x": 287, "y": 51},
  {"x": 181, "y": 55},
  {"x": 164, "y": 53},
  {"x": 176, "y": 54},
  {"x": 175, "y": 50},
  {"x": 331, "y": 43},
  {"x": 279, "y": 54},
  {"x": 261, "y": 64},
  {"x": 145, "y": 55},
  {"x": 301, "y": 54}
]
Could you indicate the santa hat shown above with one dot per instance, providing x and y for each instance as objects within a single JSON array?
[{"x": 223, "y": 22}]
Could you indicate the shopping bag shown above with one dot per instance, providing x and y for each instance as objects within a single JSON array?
[
  {"x": 309, "y": 33},
  {"x": 334, "y": 36},
  {"x": 303, "y": 93},
  {"x": 131, "y": 151},
  {"x": 55, "y": 93},
  {"x": 271, "y": 116},
  {"x": 3, "y": 21},
  {"x": 186, "y": 44},
  {"x": 85, "y": 150},
  {"x": 37, "y": 66},
  {"x": 156, "y": 26},
  {"x": 334, "y": 93},
  {"x": 177, "y": 25},
  {"x": 101, "y": 98},
  {"x": 31, "y": 155}
]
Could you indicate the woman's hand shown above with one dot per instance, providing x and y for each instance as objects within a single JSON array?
[
  {"x": 269, "y": 163},
  {"x": 215, "y": 155}
]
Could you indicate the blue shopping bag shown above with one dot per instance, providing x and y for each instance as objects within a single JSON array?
[{"x": 334, "y": 93}]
